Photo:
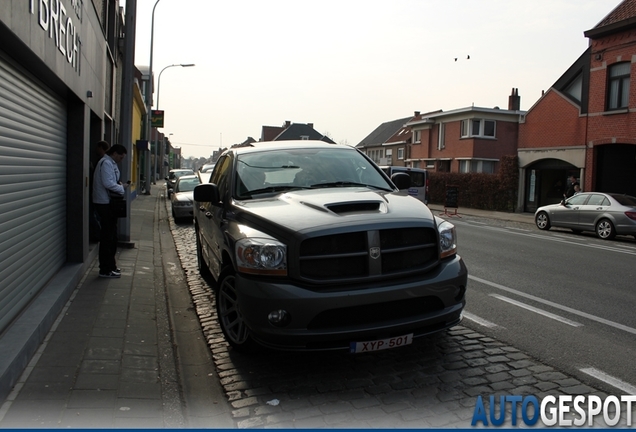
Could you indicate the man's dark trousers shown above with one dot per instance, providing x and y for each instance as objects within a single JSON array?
[{"x": 107, "y": 238}]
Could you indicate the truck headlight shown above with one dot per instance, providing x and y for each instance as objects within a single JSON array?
[
  {"x": 447, "y": 238},
  {"x": 261, "y": 256}
]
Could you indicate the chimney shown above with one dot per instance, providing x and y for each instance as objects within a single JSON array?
[
  {"x": 514, "y": 100},
  {"x": 311, "y": 125},
  {"x": 416, "y": 114},
  {"x": 287, "y": 124}
]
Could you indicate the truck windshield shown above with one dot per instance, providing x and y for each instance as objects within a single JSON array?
[{"x": 272, "y": 171}]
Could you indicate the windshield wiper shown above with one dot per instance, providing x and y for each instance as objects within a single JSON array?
[
  {"x": 270, "y": 189},
  {"x": 347, "y": 184}
]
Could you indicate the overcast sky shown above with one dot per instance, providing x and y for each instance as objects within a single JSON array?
[{"x": 349, "y": 65}]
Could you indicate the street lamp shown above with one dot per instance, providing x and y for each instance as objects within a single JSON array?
[
  {"x": 159, "y": 79},
  {"x": 158, "y": 94}
]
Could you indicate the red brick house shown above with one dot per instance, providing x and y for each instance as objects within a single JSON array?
[
  {"x": 471, "y": 139},
  {"x": 585, "y": 124}
]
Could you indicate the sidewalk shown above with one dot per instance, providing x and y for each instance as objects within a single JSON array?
[
  {"x": 438, "y": 209},
  {"x": 114, "y": 358}
]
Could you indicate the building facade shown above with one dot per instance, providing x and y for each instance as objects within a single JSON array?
[
  {"x": 60, "y": 93},
  {"x": 585, "y": 124},
  {"x": 471, "y": 139}
]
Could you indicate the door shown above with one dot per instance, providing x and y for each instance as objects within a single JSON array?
[
  {"x": 588, "y": 212},
  {"x": 568, "y": 215},
  {"x": 33, "y": 140}
]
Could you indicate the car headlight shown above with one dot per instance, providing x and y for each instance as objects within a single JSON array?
[
  {"x": 263, "y": 256},
  {"x": 447, "y": 238}
]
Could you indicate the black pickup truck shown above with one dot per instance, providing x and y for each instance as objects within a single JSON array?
[{"x": 311, "y": 246}]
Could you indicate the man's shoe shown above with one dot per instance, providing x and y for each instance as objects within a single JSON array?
[
  {"x": 110, "y": 274},
  {"x": 117, "y": 270}
]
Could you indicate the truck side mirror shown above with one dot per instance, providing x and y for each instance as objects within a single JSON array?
[
  {"x": 401, "y": 180},
  {"x": 207, "y": 192}
]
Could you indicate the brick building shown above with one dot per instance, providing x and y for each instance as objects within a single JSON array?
[
  {"x": 471, "y": 139},
  {"x": 585, "y": 124}
]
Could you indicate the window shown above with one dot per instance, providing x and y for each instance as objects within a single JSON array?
[
  {"x": 598, "y": 200},
  {"x": 575, "y": 88},
  {"x": 400, "y": 155},
  {"x": 476, "y": 166},
  {"x": 440, "y": 137},
  {"x": 478, "y": 128},
  {"x": 577, "y": 199},
  {"x": 417, "y": 136},
  {"x": 618, "y": 86}
]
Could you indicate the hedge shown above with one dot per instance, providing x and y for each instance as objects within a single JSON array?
[{"x": 497, "y": 192}]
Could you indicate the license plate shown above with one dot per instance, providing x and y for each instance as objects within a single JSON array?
[{"x": 380, "y": 344}]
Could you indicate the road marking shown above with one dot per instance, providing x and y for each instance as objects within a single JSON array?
[
  {"x": 556, "y": 305},
  {"x": 558, "y": 238},
  {"x": 537, "y": 310},
  {"x": 614, "y": 382},
  {"x": 482, "y": 322}
]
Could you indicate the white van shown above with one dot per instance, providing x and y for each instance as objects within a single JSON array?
[{"x": 419, "y": 181}]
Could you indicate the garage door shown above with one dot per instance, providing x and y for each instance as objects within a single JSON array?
[{"x": 32, "y": 188}]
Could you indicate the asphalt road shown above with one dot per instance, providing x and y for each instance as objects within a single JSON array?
[{"x": 565, "y": 299}]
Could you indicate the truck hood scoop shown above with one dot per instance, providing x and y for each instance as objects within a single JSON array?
[{"x": 357, "y": 207}]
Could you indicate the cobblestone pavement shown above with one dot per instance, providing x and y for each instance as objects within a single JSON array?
[{"x": 432, "y": 383}]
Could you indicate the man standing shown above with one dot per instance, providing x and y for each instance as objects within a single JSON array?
[
  {"x": 106, "y": 183},
  {"x": 573, "y": 182},
  {"x": 102, "y": 147}
]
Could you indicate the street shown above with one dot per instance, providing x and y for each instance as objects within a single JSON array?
[
  {"x": 435, "y": 381},
  {"x": 565, "y": 299}
]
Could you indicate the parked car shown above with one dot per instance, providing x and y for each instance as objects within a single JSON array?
[
  {"x": 204, "y": 177},
  {"x": 419, "y": 181},
  {"x": 606, "y": 214},
  {"x": 312, "y": 247},
  {"x": 181, "y": 199},
  {"x": 172, "y": 177},
  {"x": 207, "y": 167}
]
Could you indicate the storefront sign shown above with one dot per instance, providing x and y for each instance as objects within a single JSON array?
[{"x": 60, "y": 27}]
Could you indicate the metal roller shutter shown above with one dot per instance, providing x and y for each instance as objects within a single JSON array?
[{"x": 32, "y": 189}]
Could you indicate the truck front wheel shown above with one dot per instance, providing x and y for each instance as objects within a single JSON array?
[{"x": 230, "y": 316}]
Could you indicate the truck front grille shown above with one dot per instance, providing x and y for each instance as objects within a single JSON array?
[{"x": 367, "y": 254}]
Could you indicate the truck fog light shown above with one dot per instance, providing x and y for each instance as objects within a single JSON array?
[
  {"x": 279, "y": 318},
  {"x": 460, "y": 292}
]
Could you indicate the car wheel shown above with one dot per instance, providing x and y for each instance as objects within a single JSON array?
[
  {"x": 605, "y": 229},
  {"x": 204, "y": 271},
  {"x": 230, "y": 317},
  {"x": 543, "y": 221}
]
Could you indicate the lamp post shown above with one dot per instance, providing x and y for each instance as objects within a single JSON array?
[
  {"x": 159, "y": 79},
  {"x": 149, "y": 101},
  {"x": 158, "y": 94}
]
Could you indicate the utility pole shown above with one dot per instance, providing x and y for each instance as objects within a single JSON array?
[{"x": 126, "y": 111}]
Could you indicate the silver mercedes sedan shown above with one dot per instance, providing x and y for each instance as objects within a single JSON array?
[{"x": 606, "y": 214}]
